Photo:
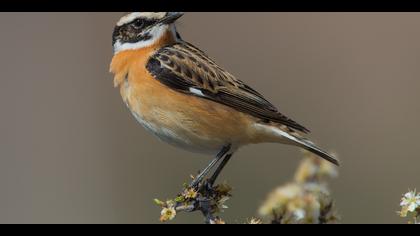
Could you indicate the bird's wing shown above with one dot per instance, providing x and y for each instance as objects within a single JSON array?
[{"x": 187, "y": 69}]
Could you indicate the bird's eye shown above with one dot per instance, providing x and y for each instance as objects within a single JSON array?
[{"x": 138, "y": 23}]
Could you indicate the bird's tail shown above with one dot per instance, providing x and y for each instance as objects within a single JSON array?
[
  {"x": 310, "y": 146},
  {"x": 299, "y": 141}
]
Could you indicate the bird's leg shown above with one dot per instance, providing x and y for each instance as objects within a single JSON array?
[
  {"x": 203, "y": 173},
  {"x": 219, "y": 169},
  {"x": 206, "y": 170}
]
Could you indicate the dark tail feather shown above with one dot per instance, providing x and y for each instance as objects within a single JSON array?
[
  {"x": 307, "y": 145},
  {"x": 301, "y": 142},
  {"x": 310, "y": 146}
]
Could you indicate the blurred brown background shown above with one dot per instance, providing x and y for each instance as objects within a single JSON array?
[{"x": 70, "y": 152}]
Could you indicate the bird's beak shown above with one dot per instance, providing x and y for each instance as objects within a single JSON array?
[{"x": 171, "y": 17}]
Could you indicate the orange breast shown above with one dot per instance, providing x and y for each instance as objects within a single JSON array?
[{"x": 184, "y": 120}]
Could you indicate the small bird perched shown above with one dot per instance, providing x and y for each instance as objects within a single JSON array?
[{"x": 184, "y": 98}]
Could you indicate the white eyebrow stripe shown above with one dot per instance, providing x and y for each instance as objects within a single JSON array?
[{"x": 146, "y": 15}]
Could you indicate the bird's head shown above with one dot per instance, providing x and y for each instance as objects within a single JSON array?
[{"x": 141, "y": 29}]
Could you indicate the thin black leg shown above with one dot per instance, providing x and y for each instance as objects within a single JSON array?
[
  {"x": 206, "y": 170},
  {"x": 219, "y": 169}
]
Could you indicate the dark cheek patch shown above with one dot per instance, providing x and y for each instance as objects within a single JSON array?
[
  {"x": 142, "y": 37},
  {"x": 131, "y": 33},
  {"x": 116, "y": 34},
  {"x": 127, "y": 34}
]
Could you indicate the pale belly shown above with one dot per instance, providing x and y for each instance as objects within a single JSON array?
[
  {"x": 185, "y": 121},
  {"x": 180, "y": 136}
]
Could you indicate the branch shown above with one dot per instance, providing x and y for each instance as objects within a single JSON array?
[
  {"x": 208, "y": 200},
  {"x": 306, "y": 199}
]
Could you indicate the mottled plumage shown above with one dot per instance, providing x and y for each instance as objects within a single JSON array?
[
  {"x": 184, "y": 98},
  {"x": 183, "y": 67}
]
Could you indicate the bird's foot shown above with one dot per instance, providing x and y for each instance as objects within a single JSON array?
[
  {"x": 201, "y": 184},
  {"x": 203, "y": 196}
]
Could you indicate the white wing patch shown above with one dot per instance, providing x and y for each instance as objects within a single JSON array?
[{"x": 197, "y": 92}]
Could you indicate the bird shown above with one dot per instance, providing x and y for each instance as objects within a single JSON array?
[{"x": 184, "y": 98}]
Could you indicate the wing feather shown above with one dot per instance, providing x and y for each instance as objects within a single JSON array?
[{"x": 187, "y": 69}]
